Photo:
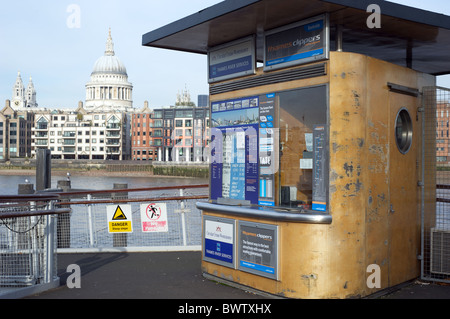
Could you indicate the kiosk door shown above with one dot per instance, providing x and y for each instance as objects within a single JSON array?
[{"x": 404, "y": 218}]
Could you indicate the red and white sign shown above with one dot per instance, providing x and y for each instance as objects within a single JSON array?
[{"x": 154, "y": 218}]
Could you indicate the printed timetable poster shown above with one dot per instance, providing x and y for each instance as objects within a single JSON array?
[
  {"x": 267, "y": 149},
  {"x": 234, "y": 150}
]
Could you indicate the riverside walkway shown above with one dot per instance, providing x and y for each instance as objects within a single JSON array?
[{"x": 172, "y": 275}]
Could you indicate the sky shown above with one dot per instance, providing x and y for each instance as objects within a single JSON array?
[{"x": 57, "y": 43}]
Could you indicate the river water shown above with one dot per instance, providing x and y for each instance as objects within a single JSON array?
[
  {"x": 9, "y": 184},
  {"x": 79, "y": 219}
]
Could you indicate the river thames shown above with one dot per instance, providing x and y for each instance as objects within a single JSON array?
[{"x": 9, "y": 183}]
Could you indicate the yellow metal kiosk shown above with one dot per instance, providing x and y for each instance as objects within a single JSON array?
[{"x": 316, "y": 149}]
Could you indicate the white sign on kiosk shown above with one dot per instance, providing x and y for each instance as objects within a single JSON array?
[
  {"x": 219, "y": 241},
  {"x": 232, "y": 60}
]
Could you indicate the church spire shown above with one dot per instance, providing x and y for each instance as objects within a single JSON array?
[
  {"x": 18, "y": 89},
  {"x": 109, "y": 45},
  {"x": 31, "y": 94}
]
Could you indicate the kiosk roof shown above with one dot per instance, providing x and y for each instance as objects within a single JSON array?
[{"x": 408, "y": 36}]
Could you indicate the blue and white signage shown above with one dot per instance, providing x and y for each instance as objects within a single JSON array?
[
  {"x": 298, "y": 43},
  {"x": 258, "y": 249},
  {"x": 232, "y": 60},
  {"x": 234, "y": 150},
  {"x": 218, "y": 244}
]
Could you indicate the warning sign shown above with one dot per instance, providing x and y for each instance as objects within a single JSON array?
[
  {"x": 154, "y": 218},
  {"x": 119, "y": 219}
]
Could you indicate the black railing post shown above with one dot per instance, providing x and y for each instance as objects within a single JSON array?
[{"x": 43, "y": 169}]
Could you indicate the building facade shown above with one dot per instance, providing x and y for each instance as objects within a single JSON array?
[
  {"x": 82, "y": 135},
  {"x": 15, "y": 132},
  {"x": 174, "y": 134},
  {"x": 106, "y": 126},
  {"x": 99, "y": 130},
  {"x": 442, "y": 133},
  {"x": 203, "y": 100},
  {"x": 142, "y": 148}
]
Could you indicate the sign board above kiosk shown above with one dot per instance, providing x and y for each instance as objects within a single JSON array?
[
  {"x": 232, "y": 60},
  {"x": 299, "y": 43},
  {"x": 408, "y": 36}
]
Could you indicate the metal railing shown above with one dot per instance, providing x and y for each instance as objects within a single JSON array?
[
  {"x": 435, "y": 205},
  {"x": 28, "y": 240},
  {"x": 88, "y": 227}
]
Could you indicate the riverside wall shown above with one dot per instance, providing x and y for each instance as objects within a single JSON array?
[{"x": 96, "y": 167}]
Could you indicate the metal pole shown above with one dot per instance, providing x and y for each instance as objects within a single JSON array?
[
  {"x": 422, "y": 191},
  {"x": 50, "y": 243},
  {"x": 34, "y": 249},
  {"x": 183, "y": 219},
  {"x": 339, "y": 38},
  {"x": 91, "y": 231}
]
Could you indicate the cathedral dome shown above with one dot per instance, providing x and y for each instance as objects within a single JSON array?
[
  {"x": 109, "y": 63},
  {"x": 109, "y": 89}
]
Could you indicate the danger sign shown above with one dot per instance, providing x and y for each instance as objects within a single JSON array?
[
  {"x": 154, "y": 218},
  {"x": 119, "y": 219}
]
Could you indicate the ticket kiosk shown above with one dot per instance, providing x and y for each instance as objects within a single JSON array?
[{"x": 315, "y": 155}]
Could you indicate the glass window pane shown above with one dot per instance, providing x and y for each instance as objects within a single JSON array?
[{"x": 300, "y": 111}]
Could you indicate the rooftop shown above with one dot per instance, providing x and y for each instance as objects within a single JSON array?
[{"x": 408, "y": 36}]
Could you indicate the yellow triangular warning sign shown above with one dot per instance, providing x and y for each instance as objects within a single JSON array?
[{"x": 119, "y": 215}]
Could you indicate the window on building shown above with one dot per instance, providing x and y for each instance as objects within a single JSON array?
[
  {"x": 157, "y": 115},
  {"x": 157, "y": 133}
]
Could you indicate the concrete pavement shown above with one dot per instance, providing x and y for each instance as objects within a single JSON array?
[{"x": 171, "y": 275}]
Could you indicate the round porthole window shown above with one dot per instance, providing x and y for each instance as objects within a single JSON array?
[{"x": 403, "y": 131}]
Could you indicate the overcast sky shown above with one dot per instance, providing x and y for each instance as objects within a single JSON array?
[{"x": 37, "y": 40}]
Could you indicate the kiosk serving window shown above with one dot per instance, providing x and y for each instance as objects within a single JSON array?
[
  {"x": 271, "y": 149},
  {"x": 303, "y": 163}
]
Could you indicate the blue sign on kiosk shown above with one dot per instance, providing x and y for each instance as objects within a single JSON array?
[{"x": 234, "y": 147}]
